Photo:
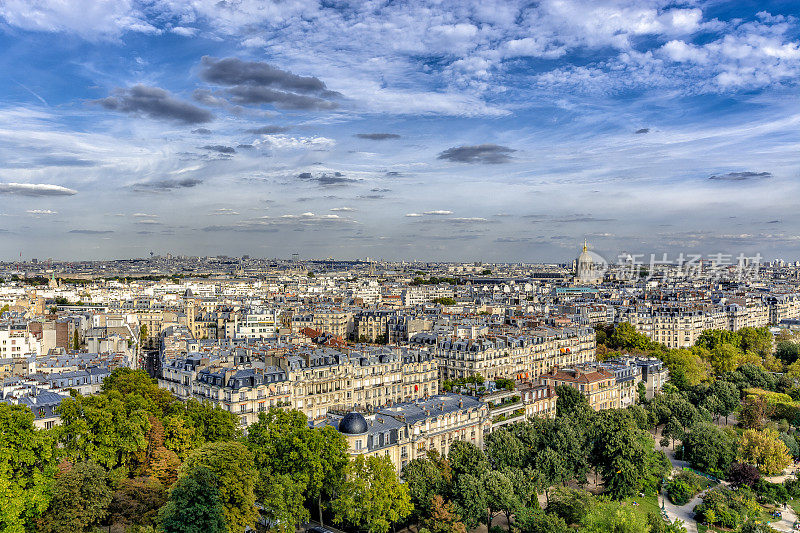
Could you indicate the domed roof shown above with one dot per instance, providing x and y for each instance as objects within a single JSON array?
[
  {"x": 353, "y": 424},
  {"x": 585, "y": 257}
]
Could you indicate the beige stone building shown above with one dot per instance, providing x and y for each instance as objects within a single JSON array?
[
  {"x": 522, "y": 357},
  {"x": 410, "y": 430},
  {"x": 311, "y": 379},
  {"x": 598, "y": 385}
]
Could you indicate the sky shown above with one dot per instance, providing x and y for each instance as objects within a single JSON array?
[{"x": 398, "y": 130}]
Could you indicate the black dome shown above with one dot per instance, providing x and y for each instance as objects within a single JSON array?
[{"x": 353, "y": 424}]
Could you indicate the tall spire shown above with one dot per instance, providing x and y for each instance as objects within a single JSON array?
[{"x": 585, "y": 247}]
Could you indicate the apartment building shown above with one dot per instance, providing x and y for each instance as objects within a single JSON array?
[
  {"x": 783, "y": 307},
  {"x": 17, "y": 342},
  {"x": 681, "y": 326},
  {"x": 598, "y": 385},
  {"x": 311, "y": 379},
  {"x": 652, "y": 372},
  {"x": 257, "y": 324},
  {"x": 409, "y": 430},
  {"x": 371, "y": 325},
  {"x": 334, "y": 321},
  {"x": 421, "y": 294},
  {"x": 515, "y": 356}
]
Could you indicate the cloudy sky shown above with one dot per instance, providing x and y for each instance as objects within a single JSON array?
[{"x": 459, "y": 130}]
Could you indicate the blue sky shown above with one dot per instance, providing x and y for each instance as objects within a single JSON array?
[{"x": 455, "y": 130}]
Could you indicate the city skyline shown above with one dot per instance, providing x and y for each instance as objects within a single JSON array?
[{"x": 433, "y": 131}]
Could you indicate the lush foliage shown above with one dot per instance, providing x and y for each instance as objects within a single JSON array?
[
  {"x": 372, "y": 496},
  {"x": 727, "y": 508},
  {"x": 194, "y": 505},
  {"x": 27, "y": 468},
  {"x": 683, "y": 487}
]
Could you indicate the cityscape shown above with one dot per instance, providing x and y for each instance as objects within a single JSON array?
[{"x": 413, "y": 267}]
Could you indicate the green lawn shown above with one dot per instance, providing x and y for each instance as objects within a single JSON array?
[
  {"x": 647, "y": 505},
  {"x": 795, "y": 504}
]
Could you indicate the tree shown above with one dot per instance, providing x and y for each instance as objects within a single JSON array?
[
  {"x": 164, "y": 465},
  {"x": 194, "y": 505},
  {"x": 466, "y": 458},
  {"x": 425, "y": 481},
  {"x": 569, "y": 400},
  {"x": 673, "y": 430},
  {"x": 443, "y": 517},
  {"x": 372, "y": 496},
  {"x": 764, "y": 450},
  {"x": 724, "y": 358},
  {"x": 283, "y": 500},
  {"x": 659, "y": 525},
  {"x": 232, "y": 466},
  {"x": 752, "y": 526},
  {"x": 137, "y": 502},
  {"x": 27, "y": 468},
  {"x": 709, "y": 448},
  {"x": 570, "y": 504},
  {"x": 742, "y": 474},
  {"x": 107, "y": 428},
  {"x": 686, "y": 367},
  {"x": 80, "y": 500},
  {"x": 180, "y": 437},
  {"x": 76, "y": 342},
  {"x": 212, "y": 422},
  {"x": 282, "y": 443},
  {"x": 610, "y": 516},
  {"x": 626, "y": 337},
  {"x": 791, "y": 444},
  {"x": 728, "y": 395},
  {"x": 504, "y": 448},
  {"x": 499, "y": 495},
  {"x": 622, "y": 453},
  {"x": 787, "y": 351},
  {"x": 641, "y": 393},
  {"x": 753, "y": 412},
  {"x": 533, "y": 520},
  {"x": 469, "y": 495}
]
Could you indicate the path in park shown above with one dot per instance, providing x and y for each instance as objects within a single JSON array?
[{"x": 683, "y": 513}]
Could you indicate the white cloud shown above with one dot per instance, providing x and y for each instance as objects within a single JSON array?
[
  {"x": 184, "y": 31},
  {"x": 35, "y": 189},
  {"x": 287, "y": 142},
  {"x": 438, "y": 212},
  {"x": 90, "y": 19},
  {"x": 41, "y": 212}
]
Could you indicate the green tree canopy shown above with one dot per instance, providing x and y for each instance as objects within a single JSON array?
[
  {"x": 709, "y": 448},
  {"x": 372, "y": 496},
  {"x": 194, "y": 505},
  {"x": 765, "y": 450},
  {"x": 534, "y": 520},
  {"x": 235, "y": 476},
  {"x": 623, "y": 454},
  {"x": 27, "y": 468},
  {"x": 80, "y": 500},
  {"x": 466, "y": 458},
  {"x": 283, "y": 443},
  {"x": 424, "y": 480}
]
